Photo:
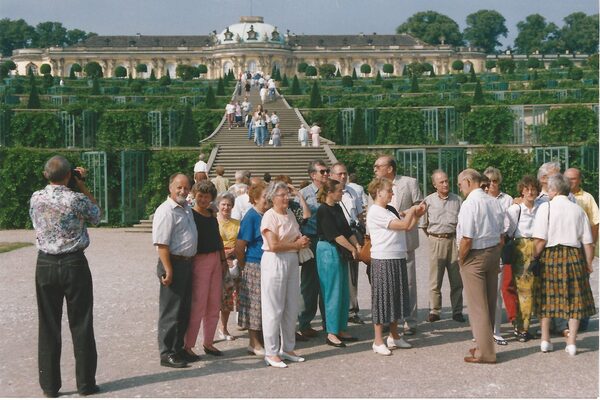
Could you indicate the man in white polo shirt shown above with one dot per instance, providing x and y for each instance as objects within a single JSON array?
[{"x": 479, "y": 230}]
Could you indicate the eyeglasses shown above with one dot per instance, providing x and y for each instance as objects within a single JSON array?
[{"x": 323, "y": 171}]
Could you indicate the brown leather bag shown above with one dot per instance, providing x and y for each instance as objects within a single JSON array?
[{"x": 365, "y": 251}]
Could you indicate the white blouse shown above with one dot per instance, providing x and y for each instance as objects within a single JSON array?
[
  {"x": 568, "y": 225},
  {"x": 521, "y": 226}
]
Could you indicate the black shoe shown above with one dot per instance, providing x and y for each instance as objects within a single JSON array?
[
  {"x": 355, "y": 319},
  {"x": 212, "y": 352},
  {"x": 301, "y": 338},
  {"x": 51, "y": 394},
  {"x": 330, "y": 343},
  {"x": 433, "y": 317},
  {"x": 87, "y": 392},
  {"x": 348, "y": 338},
  {"x": 524, "y": 337},
  {"x": 188, "y": 357},
  {"x": 459, "y": 318},
  {"x": 173, "y": 361}
]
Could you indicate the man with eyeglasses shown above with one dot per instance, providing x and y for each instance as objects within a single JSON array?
[
  {"x": 406, "y": 194},
  {"x": 310, "y": 291},
  {"x": 478, "y": 234},
  {"x": 352, "y": 207}
]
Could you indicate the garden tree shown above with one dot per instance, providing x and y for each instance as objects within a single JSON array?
[
  {"x": 48, "y": 80},
  {"x": 45, "y": 69},
  {"x": 220, "y": 87},
  {"x": 457, "y": 65},
  {"x": 129, "y": 79},
  {"x": 347, "y": 81},
  {"x": 535, "y": 34},
  {"x": 460, "y": 78},
  {"x": 579, "y": 33},
  {"x": 9, "y": 65},
  {"x": 512, "y": 163},
  {"x": 357, "y": 134},
  {"x": 76, "y": 68},
  {"x": 533, "y": 63},
  {"x": 427, "y": 67},
  {"x": 338, "y": 74},
  {"x": 433, "y": 28},
  {"x": 277, "y": 76},
  {"x": 210, "y": 101},
  {"x": 14, "y": 34},
  {"x": 141, "y": 68},
  {"x": 327, "y": 71},
  {"x": 483, "y": 29},
  {"x": 414, "y": 84},
  {"x": 401, "y": 126},
  {"x": 120, "y": 72},
  {"x": 472, "y": 76},
  {"x": 575, "y": 73},
  {"x": 296, "y": 86},
  {"x": 490, "y": 65},
  {"x": 230, "y": 75},
  {"x": 315, "y": 96},
  {"x": 564, "y": 62},
  {"x": 72, "y": 74},
  {"x": 354, "y": 76},
  {"x": 75, "y": 36},
  {"x": 534, "y": 76},
  {"x": 489, "y": 125},
  {"x": 415, "y": 69},
  {"x": 593, "y": 62},
  {"x": 165, "y": 80},
  {"x": 33, "y": 102},
  {"x": 3, "y": 71},
  {"x": 49, "y": 34},
  {"x": 202, "y": 69},
  {"x": 136, "y": 87},
  {"x": 365, "y": 69},
  {"x": 95, "y": 87},
  {"x": 310, "y": 71},
  {"x": 187, "y": 132},
  {"x": 152, "y": 76},
  {"x": 285, "y": 82},
  {"x": 93, "y": 70},
  {"x": 274, "y": 71},
  {"x": 185, "y": 72},
  {"x": 506, "y": 65},
  {"x": 571, "y": 124},
  {"x": 388, "y": 69},
  {"x": 405, "y": 71},
  {"x": 378, "y": 79},
  {"x": 302, "y": 67},
  {"x": 478, "y": 94}
]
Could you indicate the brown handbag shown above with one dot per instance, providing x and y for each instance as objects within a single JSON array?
[{"x": 365, "y": 251}]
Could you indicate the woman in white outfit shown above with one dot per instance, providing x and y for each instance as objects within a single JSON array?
[{"x": 279, "y": 279}]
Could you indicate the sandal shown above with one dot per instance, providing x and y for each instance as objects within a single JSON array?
[{"x": 500, "y": 341}]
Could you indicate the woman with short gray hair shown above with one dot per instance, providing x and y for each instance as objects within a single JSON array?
[{"x": 560, "y": 228}]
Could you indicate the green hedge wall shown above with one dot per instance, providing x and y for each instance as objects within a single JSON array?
[{"x": 35, "y": 129}]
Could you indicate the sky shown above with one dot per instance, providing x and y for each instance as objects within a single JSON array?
[{"x": 199, "y": 17}]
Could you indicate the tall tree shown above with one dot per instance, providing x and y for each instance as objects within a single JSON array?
[
  {"x": 14, "y": 34},
  {"x": 296, "y": 86},
  {"x": 75, "y": 36},
  {"x": 484, "y": 27},
  {"x": 580, "y": 33},
  {"x": 33, "y": 102},
  {"x": 433, "y": 28},
  {"x": 536, "y": 34},
  {"x": 50, "y": 34},
  {"x": 315, "y": 96}
]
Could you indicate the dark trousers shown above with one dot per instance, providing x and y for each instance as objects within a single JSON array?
[
  {"x": 59, "y": 277},
  {"x": 174, "y": 305},
  {"x": 310, "y": 291}
]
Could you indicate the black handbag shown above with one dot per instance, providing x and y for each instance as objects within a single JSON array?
[{"x": 509, "y": 250}]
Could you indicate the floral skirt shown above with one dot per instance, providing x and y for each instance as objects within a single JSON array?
[{"x": 565, "y": 290}]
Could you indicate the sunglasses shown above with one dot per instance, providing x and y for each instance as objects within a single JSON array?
[{"x": 323, "y": 171}]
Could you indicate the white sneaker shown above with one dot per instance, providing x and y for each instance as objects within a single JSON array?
[
  {"x": 546, "y": 346},
  {"x": 381, "y": 349},
  {"x": 397, "y": 343},
  {"x": 571, "y": 349}
]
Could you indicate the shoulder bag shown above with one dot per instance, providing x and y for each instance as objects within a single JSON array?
[{"x": 509, "y": 250}]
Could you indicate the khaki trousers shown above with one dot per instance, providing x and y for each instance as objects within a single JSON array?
[
  {"x": 480, "y": 278},
  {"x": 443, "y": 256}
]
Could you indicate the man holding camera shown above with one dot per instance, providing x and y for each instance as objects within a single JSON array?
[
  {"x": 59, "y": 213},
  {"x": 352, "y": 206}
]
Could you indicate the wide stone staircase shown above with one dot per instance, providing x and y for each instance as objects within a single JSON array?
[{"x": 236, "y": 152}]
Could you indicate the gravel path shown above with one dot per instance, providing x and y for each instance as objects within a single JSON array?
[{"x": 126, "y": 308}]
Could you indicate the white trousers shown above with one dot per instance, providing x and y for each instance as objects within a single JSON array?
[{"x": 279, "y": 294}]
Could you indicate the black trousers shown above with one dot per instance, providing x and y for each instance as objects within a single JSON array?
[
  {"x": 174, "y": 306},
  {"x": 59, "y": 277}
]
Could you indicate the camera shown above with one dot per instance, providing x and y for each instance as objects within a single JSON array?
[
  {"x": 357, "y": 226},
  {"x": 73, "y": 181}
]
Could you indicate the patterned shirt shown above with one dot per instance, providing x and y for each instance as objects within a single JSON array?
[{"x": 59, "y": 216}]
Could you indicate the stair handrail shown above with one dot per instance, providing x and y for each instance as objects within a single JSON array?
[
  {"x": 332, "y": 158},
  {"x": 212, "y": 157}
]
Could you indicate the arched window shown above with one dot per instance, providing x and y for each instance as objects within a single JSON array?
[
  {"x": 252, "y": 66},
  {"x": 226, "y": 67}
]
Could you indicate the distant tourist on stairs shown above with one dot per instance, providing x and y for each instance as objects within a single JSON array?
[
  {"x": 230, "y": 113},
  {"x": 276, "y": 136},
  {"x": 303, "y": 135},
  {"x": 315, "y": 134}
]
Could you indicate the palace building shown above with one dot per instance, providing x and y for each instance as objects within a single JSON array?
[{"x": 250, "y": 45}]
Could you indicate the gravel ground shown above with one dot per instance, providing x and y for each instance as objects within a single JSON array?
[{"x": 126, "y": 308}]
